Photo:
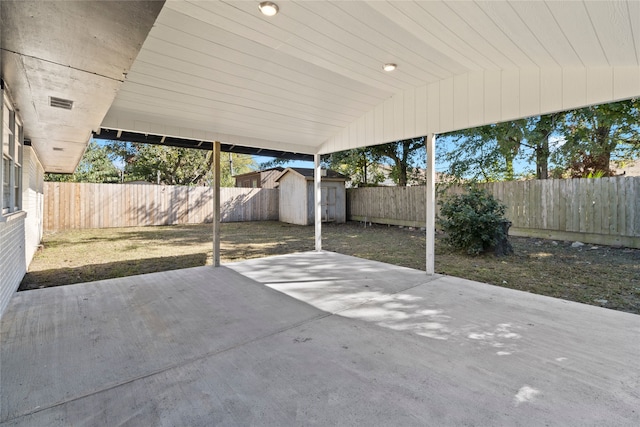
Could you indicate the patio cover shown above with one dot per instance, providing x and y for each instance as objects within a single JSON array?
[{"x": 310, "y": 79}]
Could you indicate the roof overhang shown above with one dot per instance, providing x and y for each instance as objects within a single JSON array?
[
  {"x": 310, "y": 79},
  {"x": 76, "y": 51},
  {"x": 198, "y": 144}
]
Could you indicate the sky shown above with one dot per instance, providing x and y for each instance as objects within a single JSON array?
[
  {"x": 294, "y": 164},
  {"x": 442, "y": 145}
]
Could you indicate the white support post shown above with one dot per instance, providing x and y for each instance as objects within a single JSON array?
[
  {"x": 317, "y": 191},
  {"x": 430, "y": 141},
  {"x": 216, "y": 203}
]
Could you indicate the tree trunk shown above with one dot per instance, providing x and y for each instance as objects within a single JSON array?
[
  {"x": 402, "y": 176},
  {"x": 542, "y": 158},
  {"x": 364, "y": 168}
]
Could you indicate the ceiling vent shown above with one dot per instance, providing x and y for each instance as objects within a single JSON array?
[
  {"x": 58, "y": 149},
  {"x": 66, "y": 104}
]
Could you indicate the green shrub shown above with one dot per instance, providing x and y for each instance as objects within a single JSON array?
[{"x": 474, "y": 221}]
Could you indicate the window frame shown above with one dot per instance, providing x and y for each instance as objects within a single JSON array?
[{"x": 11, "y": 167}]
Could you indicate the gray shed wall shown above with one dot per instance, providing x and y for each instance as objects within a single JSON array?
[{"x": 340, "y": 201}]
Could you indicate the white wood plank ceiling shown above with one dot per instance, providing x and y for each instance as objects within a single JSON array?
[{"x": 310, "y": 79}]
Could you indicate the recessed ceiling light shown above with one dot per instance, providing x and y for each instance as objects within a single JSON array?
[
  {"x": 268, "y": 8},
  {"x": 389, "y": 67}
]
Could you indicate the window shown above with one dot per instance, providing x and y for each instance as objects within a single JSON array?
[
  {"x": 12, "y": 149},
  {"x": 17, "y": 185}
]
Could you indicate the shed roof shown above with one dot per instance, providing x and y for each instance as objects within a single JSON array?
[
  {"x": 307, "y": 173},
  {"x": 277, "y": 169}
]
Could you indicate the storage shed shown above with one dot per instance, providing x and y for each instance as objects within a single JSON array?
[{"x": 296, "y": 196}]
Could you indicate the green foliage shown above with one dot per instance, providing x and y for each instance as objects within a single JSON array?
[
  {"x": 359, "y": 164},
  {"x": 362, "y": 165},
  {"x": 405, "y": 156},
  {"x": 273, "y": 163},
  {"x": 587, "y": 141},
  {"x": 173, "y": 165},
  {"x": 486, "y": 153},
  {"x": 95, "y": 166},
  {"x": 146, "y": 162},
  {"x": 595, "y": 136},
  {"x": 473, "y": 221},
  {"x": 177, "y": 166}
]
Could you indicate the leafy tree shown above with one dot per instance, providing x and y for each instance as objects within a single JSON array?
[
  {"x": 537, "y": 134},
  {"x": 597, "y": 135},
  {"x": 590, "y": 138},
  {"x": 95, "y": 166},
  {"x": 486, "y": 153},
  {"x": 176, "y": 165},
  {"x": 404, "y": 155},
  {"x": 361, "y": 165}
]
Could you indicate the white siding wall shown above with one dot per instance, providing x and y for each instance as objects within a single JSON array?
[
  {"x": 32, "y": 201},
  {"x": 21, "y": 233},
  {"x": 293, "y": 199},
  {"x": 12, "y": 260},
  {"x": 484, "y": 97}
]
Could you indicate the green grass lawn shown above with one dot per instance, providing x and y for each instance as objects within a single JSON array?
[{"x": 603, "y": 276}]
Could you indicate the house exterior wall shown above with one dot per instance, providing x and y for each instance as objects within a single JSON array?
[
  {"x": 250, "y": 180},
  {"x": 21, "y": 232},
  {"x": 293, "y": 199},
  {"x": 268, "y": 178},
  {"x": 261, "y": 179},
  {"x": 13, "y": 265},
  {"x": 32, "y": 202}
]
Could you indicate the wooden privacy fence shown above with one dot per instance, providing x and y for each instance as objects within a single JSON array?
[
  {"x": 388, "y": 205},
  {"x": 598, "y": 211},
  {"x": 70, "y": 205}
]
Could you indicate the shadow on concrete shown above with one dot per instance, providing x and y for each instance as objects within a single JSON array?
[{"x": 71, "y": 275}]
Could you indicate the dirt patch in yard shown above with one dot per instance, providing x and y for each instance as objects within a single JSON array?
[{"x": 603, "y": 276}]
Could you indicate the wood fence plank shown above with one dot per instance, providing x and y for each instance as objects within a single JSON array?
[
  {"x": 535, "y": 213},
  {"x": 576, "y": 205},
  {"x": 588, "y": 206},
  {"x": 635, "y": 208},
  {"x": 597, "y": 205},
  {"x": 622, "y": 206},
  {"x": 555, "y": 191},
  {"x": 631, "y": 205},
  {"x": 613, "y": 206},
  {"x": 605, "y": 186},
  {"x": 545, "y": 203},
  {"x": 562, "y": 206}
]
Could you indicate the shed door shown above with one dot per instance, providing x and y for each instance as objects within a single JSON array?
[{"x": 328, "y": 203}]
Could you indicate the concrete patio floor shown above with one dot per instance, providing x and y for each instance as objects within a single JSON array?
[{"x": 314, "y": 338}]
